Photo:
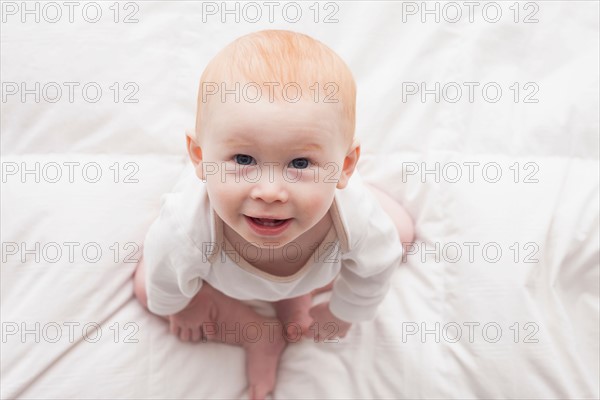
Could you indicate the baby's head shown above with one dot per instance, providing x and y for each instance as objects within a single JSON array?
[{"x": 274, "y": 134}]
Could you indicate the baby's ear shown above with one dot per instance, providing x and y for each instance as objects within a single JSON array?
[
  {"x": 349, "y": 166},
  {"x": 195, "y": 152}
]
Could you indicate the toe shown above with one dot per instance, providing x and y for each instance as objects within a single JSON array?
[
  {"x": 174, "y": 329},
  {"x": 259, "y": 392}
]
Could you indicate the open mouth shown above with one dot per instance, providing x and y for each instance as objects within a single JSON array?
[
  {"x": 268, "y": 222},
  {"x": 268, "y": 226}
]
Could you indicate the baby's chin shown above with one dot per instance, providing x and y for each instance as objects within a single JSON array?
[{"x": 271, "y": 243}]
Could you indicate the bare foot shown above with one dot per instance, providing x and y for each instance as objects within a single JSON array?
[
  {"x": 294, "y": 315},
  {"x": 216, "y": 317},
  {"x": 262, "y": 360},
  {"x": 213, "y": 316},
  {"x": 191, "y": 323}
]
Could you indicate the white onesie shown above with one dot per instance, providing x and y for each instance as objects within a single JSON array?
[{"x": 185, "y": 246}]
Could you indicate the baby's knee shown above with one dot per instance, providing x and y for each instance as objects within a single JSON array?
[
  {"x": 139, "y": 284},
  {"x": 407, "y": 237},
  {"x": 407, "y": 233}
]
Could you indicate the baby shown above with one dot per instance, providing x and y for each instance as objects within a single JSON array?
[{"x": 276, "y": 210}]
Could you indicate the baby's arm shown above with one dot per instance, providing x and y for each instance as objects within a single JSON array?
[
  {"x": 366, "y": 269},
  {"x": 172, "y": 267},
  {"x": 355, "y": 298}
]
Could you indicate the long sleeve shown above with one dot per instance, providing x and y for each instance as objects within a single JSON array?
[
  {"x": 375, "y": 253},
  {"x": 174, "y": 265}
]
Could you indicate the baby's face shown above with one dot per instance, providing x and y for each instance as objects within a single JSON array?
[{"x": 280, "y": 162}]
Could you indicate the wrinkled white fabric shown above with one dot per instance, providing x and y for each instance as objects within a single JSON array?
[{"x": 546, "y": 303}]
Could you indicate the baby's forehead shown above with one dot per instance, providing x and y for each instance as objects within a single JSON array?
[
  {"x": 307, "y": 125},
  {"x": 245, "y": 107},
  {"x": 307, "y": 111}
]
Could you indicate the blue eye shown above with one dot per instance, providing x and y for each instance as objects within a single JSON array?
[
  {"x": 299, "y": 163},
  {"x": 243, "y": 159}
]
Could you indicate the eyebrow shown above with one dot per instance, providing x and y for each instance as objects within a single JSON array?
[
  {"x": 308, "y": 147},
  {"x": 241, "y": 142}
]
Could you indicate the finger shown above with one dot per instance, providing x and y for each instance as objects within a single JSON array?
[
  {"x": 185, "y": 334},
  {"x": 196, "y": 334}
]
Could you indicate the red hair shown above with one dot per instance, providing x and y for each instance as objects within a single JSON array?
[{"x": 283, "y": 57}]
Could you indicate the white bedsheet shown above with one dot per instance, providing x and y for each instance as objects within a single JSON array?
[{"x": 528, "y": 316}]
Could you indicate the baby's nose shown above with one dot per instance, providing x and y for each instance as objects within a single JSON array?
[{"x": 269, "y": 192}]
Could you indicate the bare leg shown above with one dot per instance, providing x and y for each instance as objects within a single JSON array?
[
  {"x": 294, "y": 313},
  {"x": 210, "y": 313},
  {"x": 398, "y": 214},
  {"x": 323, "y": 289}
]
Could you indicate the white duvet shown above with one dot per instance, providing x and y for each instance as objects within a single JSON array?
[{"x": 499, "y": 297}]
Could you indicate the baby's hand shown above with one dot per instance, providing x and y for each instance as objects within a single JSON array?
[{"x": 326, "y": 326}]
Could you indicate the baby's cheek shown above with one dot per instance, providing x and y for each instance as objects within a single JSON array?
[
  {"x": 221, "y": 195},
  {"x": 317, "y": 201}
]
